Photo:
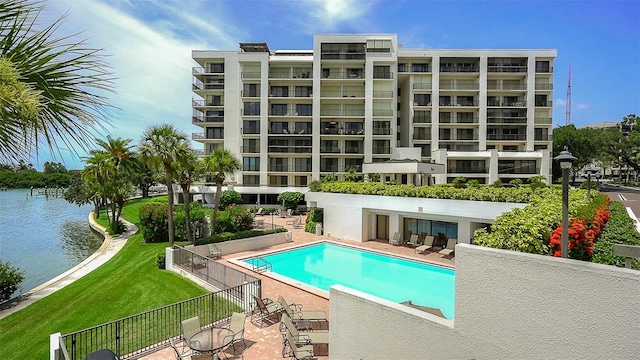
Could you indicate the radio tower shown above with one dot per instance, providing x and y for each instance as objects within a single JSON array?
[{"x": 568, "y": 119}]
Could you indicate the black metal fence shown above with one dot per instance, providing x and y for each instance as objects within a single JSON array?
[{"x": 143, "y": 333}]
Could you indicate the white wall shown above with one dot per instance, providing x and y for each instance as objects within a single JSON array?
[
  {"x": 508, "y": 305},
  {"x": 345, "y": 215}
]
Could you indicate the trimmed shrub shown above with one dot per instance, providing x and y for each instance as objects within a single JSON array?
[
  {"x": 198, "y": 220},
  {"x": 11, "y": 279},
  {"x": 620, "y": 229},
  {"x": 459, "y": 182},
  {"x": 234, "y": 219},
  {"x": 153, "y": 222},
  {"x": 226, "y": 236},
  {"x": 228, "y": 198},
  {"x": 160, "y": 260},
  {"x": 291, "y": 199}
]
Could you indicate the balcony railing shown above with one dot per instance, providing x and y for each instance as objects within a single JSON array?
[
  {"x": 201, "y": 136},
  {"x": 341, "y": 112},
  {"x": 422, "y": 86},
  {"x": 343, "y": 75},
  {"x": 329, "y": 168},
  {"x": 506, "y": 104},
  {"x": 342, "y": 56},
  {"x": 507, "y": 68},
  {"x": 206, "y": 103},
  {"x": 251, "y": 149},
  {"x": 461, "y": 147},
  {"x": 197, "y": 136},
  {"x": 460, "y": 103},
  {"x": 460, "y": 69},
  {"x": 199, "y": 85},
  {"x": 422, "y": 136},
  {"x": 202, "y": 119},
  {"x": 251, "y": 130},
  {"x": 507, "y": 87},
  {"x": 468, "y": 170},
  {"x": 544, "y": 69},
  {"x": 459, "y": 120},
  {"x": 251, "y": 75},
  {"x": 457, "y": 137},
  {"x": 546, "y": 121},
  {"x": 384, "y": 76},
  {"x": 354, "y": 150},
  {"x": 382, "y": 112},
  {"x": 506, "y": 120},
  {"x": 383, "y": 94},
  {"x": 201, "y": 70},
  {"x": 339, "y": 169},
  {"x": 512, "y": 170},
  {"x": 543, "y": 138},
  {"x": 544, "y": 103},
  {"x": 330, "y": 150},
  {"x": 334, "y": 131},
  {"x": 381, "y": 131},
  {"x": 422, "y": 119},
  {"x": 507, "y": 137},
  {"x": 337, "y": 94},
  {"x": 544, "y": 86},
  {"x": 381, "y": 150},
  {"x": 290, "y": 75},
  {"x": 290, "y": 149},
  {"x": 288, "y": 112},
  {"x": 458, "y": 86}
]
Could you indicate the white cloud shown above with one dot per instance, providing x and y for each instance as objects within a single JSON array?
[
  {"x": 329, "y": 15},
  {"x": 560, "y": 102},
  {"x": 581, "y": 106}
]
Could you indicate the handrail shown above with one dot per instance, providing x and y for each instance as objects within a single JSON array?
[{"x": 264, "y": 266}]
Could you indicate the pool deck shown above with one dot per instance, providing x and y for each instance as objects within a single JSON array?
[{"x": 266, "y": 343}]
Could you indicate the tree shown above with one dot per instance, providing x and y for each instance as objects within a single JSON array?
[
  {"x": 161, "y": 146},
  {"x": 143, "y": 176},
  {"x": 584, "y": 143},
  {"x": 51, "y": 89},
  {"x": 95, "y": 175},
  {"x": 54, "y": 168},
  {"x": 10, "y": 280},
  {"x": 219, "y": 164},
  {"x": 188, "y": 170},
  {"x": 119, "y": 187}
]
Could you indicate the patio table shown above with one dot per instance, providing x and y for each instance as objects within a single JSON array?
[{"x": 211, "y": 340}]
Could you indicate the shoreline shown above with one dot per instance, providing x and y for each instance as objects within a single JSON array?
[{"x": 110, "y": 246}]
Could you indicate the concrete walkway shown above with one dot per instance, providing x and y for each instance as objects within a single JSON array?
[{"x": 109, "y": 248}]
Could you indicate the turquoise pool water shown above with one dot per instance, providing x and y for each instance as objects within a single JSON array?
[{"x": 395, "y": 279}]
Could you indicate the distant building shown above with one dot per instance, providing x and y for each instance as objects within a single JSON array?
[{"x": 292, "y": 116}]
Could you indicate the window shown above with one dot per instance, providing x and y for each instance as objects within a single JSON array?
[
  {"x": 279, "y": 91},
  {"x": 278, "y": 164},
  {"x": 278, "y": 109},
  {"x": 420, "y": 67},
  {"x": 251, "y": 90},
  {"x": 279, "y": 128},
  {"x": 216, "y": 68},
  {"x": 445, "y": 100},
  {"x": 328, "y": 165},
  {"x": 541, "y": 100},
  {"x": 304, "y": 109},
  {"x": 252, "y": 108},
  {"x": 402, "y": 67},
  {"x": 382, "y": 72},
  {"x": 422, "y": 99},
  {"x": 215, "y": 133},
  {"x": 542, "y": 66},
  {"x": 251, "y": 127},
  {"x": 251, "y": 145},
  {"x": 302, "y": 165},
  {"x": 250, "y": 164},
  {"x": 304, "y": 91},
  {"x": 379, "y": 46},
  {"x": 250, "y": 179}
]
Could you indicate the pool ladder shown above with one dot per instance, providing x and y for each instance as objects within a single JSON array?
[{"x": 259, "y": 264}]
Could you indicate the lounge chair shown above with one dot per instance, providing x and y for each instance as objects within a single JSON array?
[
  {"x": 259, "y": 212},
  {"x": 302, "y": 318},
  {"x": 297, "y": 352},
  {"x": 302, "y": 338},
  {"x": 237, "y": 328},
  {"x": 395, "y": 240},
  {"x": 427, "y": 245},
  {"x": 413, "y": 241},
  {"x": 265, "y": 308},
  {"x": 296, "y": 224},
  {"x": 214, "y": 252},
  {"x": 451, "y": 247}
]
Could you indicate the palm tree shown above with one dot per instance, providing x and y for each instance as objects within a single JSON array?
[
  {"x": 219, "y": 164},
  {"x": 122, "y": 163},
  {"x": 95, "y": 174},
  {"x": 162, "y": 145},
  {"x": 188, "y": 170},
  {"x": 52, "y": 89}
]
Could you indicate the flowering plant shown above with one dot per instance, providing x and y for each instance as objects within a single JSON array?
[{"x": 582, "y": 233}]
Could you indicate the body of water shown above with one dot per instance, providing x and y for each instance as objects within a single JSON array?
[{"x": 44, "y": 237}]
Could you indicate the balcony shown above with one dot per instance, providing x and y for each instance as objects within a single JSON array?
[
  {"x": 354, "y": 150},
  {"x": 201, "y": 136},
  {"x": 199, "y": 85},
  {"x": 510, "y": 169},
  {"x": 250, "y": 149},
  {"x": 460, "y": 68},
  {"x": 290, "y": 149},
  {"x": 343, "y": 93},
  {"x": 507, "y": 137},
  {"x": 343, "y": 75},
  {"x": 278, "y": 168},
  {"x": 459, "y": 103},
  {"x": 422, "y": 86},
  {"x": 458, "y": 137},
  {"x": 544, "y": 86},
  {"x": 290, "y": 75},
  {"x": 342, "y": 56},
  {"x": 382, "y": 112},
  {"x": 459, "y": 120},
  {"x": 207, "y": 119},
  {"x": 330, "y": 150},
  {"x": 548, "y": 103},
  {"x": 459, "y": 86},
  {"x": 197, "y": 70},
  {"x": 197, "y": 103},
  {"x": 507, "y": 68},
  {"x": 342, "y": 112},
  {"x": 506, "y": 103},
  {"x": 335, "y": 131},
  {"x": 251, "y": 130},
  {"x": 506, "y": 120},
  {"x": 382, "y": 150},
  {"x": 461, "y": 147},
  {"x": 329, "y": 168},
  {"x": 422, "y": 136},
  {"x": 197, "y": 136},
  {"x": 468, "y": 169},
  {"x": 251, "y": 75},
  {"x": 543, "y": 121},
  {"x": 506, "y": 86},
  {"x": 383, "y": 94},
  {"x": 543, "y": 137},
  {"x": 381, "y": 131}
]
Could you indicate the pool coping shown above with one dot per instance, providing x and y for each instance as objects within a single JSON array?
[{"x": 239, "y": 261}]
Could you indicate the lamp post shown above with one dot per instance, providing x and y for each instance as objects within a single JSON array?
[{"x": 566, "y": 160}]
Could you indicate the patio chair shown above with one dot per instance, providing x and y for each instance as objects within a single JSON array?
[
  {"x": 259, "y": 212},
  {"x": 236, "y": 325},
  {"x": 302, "y": 338},
  {"x": 265, "y": 308},
  {"x": 189, "y": 328},
  {"x": 301, "y": 318},
  {"x": 413, "y": 240},
  {"x": 427, "y": 244},
  {"x": 188, "y": 355},
  {"x": 395, "y": 240},
  {"x": 297, "y": 352},
  {"x": 451, "y": 247},
  {"x": 214, "y": 252}
]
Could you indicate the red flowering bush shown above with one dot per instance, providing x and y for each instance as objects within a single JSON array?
[
  {"x": 153, "y": 222},
  {"x": 583, "y": 230}
]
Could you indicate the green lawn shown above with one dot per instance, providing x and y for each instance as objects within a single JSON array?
[{"x": 127, "y": 284}]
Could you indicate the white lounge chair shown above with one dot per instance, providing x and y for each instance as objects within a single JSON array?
[
  {"x": 413, "y": 241},
  {"x": 451, "y": 247},
  {"x": 214, "y": 252},
  {"x": 427, "y": 244},
  {"x": 395, "y": 240}
]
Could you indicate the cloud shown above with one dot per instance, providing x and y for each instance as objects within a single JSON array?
[
  {"x": 560, "y": 102},
  {"x": 331, "y": 15},
  {"x": 581, "y": 106}
]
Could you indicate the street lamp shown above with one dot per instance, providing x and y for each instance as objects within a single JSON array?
[{"x": 566, "y": 160}]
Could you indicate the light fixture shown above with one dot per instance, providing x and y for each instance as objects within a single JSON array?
[{"x": 566, "y": 160}]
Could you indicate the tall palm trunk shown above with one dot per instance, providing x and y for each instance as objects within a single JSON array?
[
  {"x": 214, "y": 221},
  {"x": 170, "y": 206},
  {"x": 187, "y": 211}
]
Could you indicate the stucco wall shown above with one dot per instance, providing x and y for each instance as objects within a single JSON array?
[{"x": 508, "y": 305}]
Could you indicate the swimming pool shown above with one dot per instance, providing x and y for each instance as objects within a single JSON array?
[{"x": 395, "y": 279}]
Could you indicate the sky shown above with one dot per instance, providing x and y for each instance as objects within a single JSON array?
[{"x": 149, "y": 44}]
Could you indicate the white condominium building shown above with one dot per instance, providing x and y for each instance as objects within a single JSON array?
[{"x": 296, "y": 115}]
